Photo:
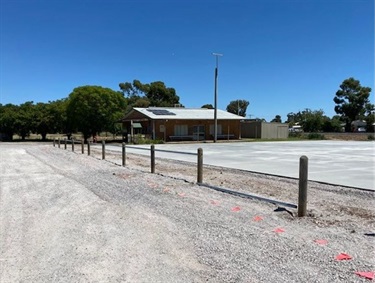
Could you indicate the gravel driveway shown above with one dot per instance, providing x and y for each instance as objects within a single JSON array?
[{"x": 68, "y": 217}]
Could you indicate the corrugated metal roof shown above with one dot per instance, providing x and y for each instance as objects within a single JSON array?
[{"x": 174, "y": 113}]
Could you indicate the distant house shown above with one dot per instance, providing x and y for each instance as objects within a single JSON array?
[
  {"x": 359, "y": 126},
  {"x": 296, "y": 128},
  {"x": 181, "y": 124}
]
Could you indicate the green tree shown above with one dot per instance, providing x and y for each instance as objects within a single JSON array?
[
  {"x": 154, "y": 94},
  {"x": 160, "y": 95},
  {"x": 8, "y": 117},
  {"x": 277, "y": 119},
  {"x": 50, "y": 118},
  {"x": 58, "y": 112},
  {"x": 42, "y": 122},
  {"x": 238, "y": 107},
  {"x": 92, "y": 109},
  {"x": 25, "y": 119},
  {"x": 352, "y": 101},
  {"x": 142, "y": 102},
  {"x": 135, "y": 89},
  {"x": 293, "y": 118},
  {"x": 370, "y": 117},
  {"x": 208, "y": 106},
  {"x": 332, "y": 125},
  {"x": 312, "y": 120}
]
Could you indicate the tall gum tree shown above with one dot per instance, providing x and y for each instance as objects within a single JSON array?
[
  {"x": 352, "y": 101},
  {"x": 152, "y": 94},
  {"x": 238, "y": 107}
]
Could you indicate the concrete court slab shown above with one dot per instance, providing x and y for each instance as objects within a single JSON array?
[{"x": 348, "y": 163}]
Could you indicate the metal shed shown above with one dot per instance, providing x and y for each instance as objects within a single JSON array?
[{"x": 264, "y": 130}]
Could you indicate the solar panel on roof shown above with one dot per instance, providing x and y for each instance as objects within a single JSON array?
[{"x": 160, "y": 112}]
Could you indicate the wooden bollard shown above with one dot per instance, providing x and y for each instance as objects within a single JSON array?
[
  {"x": 58, "y": 142},
  {"x": 88, "y": 147},
  {"x": 103, "y": 149},
  {"x": 65, "y": 144},
  {"x": 200, "y": 166},
  {"x": 123, "y": 154},
  {"x": 53, "y": 142},
  {"x": 83, "y": 146},
  {"x": 152, "y": 158},
  {"x": 302, "y": 193},
  {"x": 72, "y": 144}
]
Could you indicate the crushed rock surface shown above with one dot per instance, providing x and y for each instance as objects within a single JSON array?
[{"x": 69, "y": 217}]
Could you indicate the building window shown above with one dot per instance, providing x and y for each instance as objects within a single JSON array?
[
  {"x": 212, "y": 129},
  {"x": 137, "y": 128},
  {"x": 180, "y": 130}
]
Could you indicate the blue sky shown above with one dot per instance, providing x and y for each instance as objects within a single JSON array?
[{"x": 281, "y": 55}]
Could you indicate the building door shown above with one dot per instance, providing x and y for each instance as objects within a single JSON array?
[{"x": 198, "y": 133}]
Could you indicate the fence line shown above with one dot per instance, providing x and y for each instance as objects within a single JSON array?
[
  {"x": 152, "y": 150},
  {"x": 163, "y": 150},
  {"x": 303, "y": 174}
]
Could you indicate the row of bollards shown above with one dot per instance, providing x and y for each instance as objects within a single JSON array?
[{"x": 303, "y": 170}]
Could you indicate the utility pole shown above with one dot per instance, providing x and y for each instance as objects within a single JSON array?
[{"x": 215, "y": 95}]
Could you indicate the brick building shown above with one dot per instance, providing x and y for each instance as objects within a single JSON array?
[{"x": 172, "y": 124}]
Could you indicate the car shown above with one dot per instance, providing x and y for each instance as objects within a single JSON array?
[{"x": 361, "y": 129}]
